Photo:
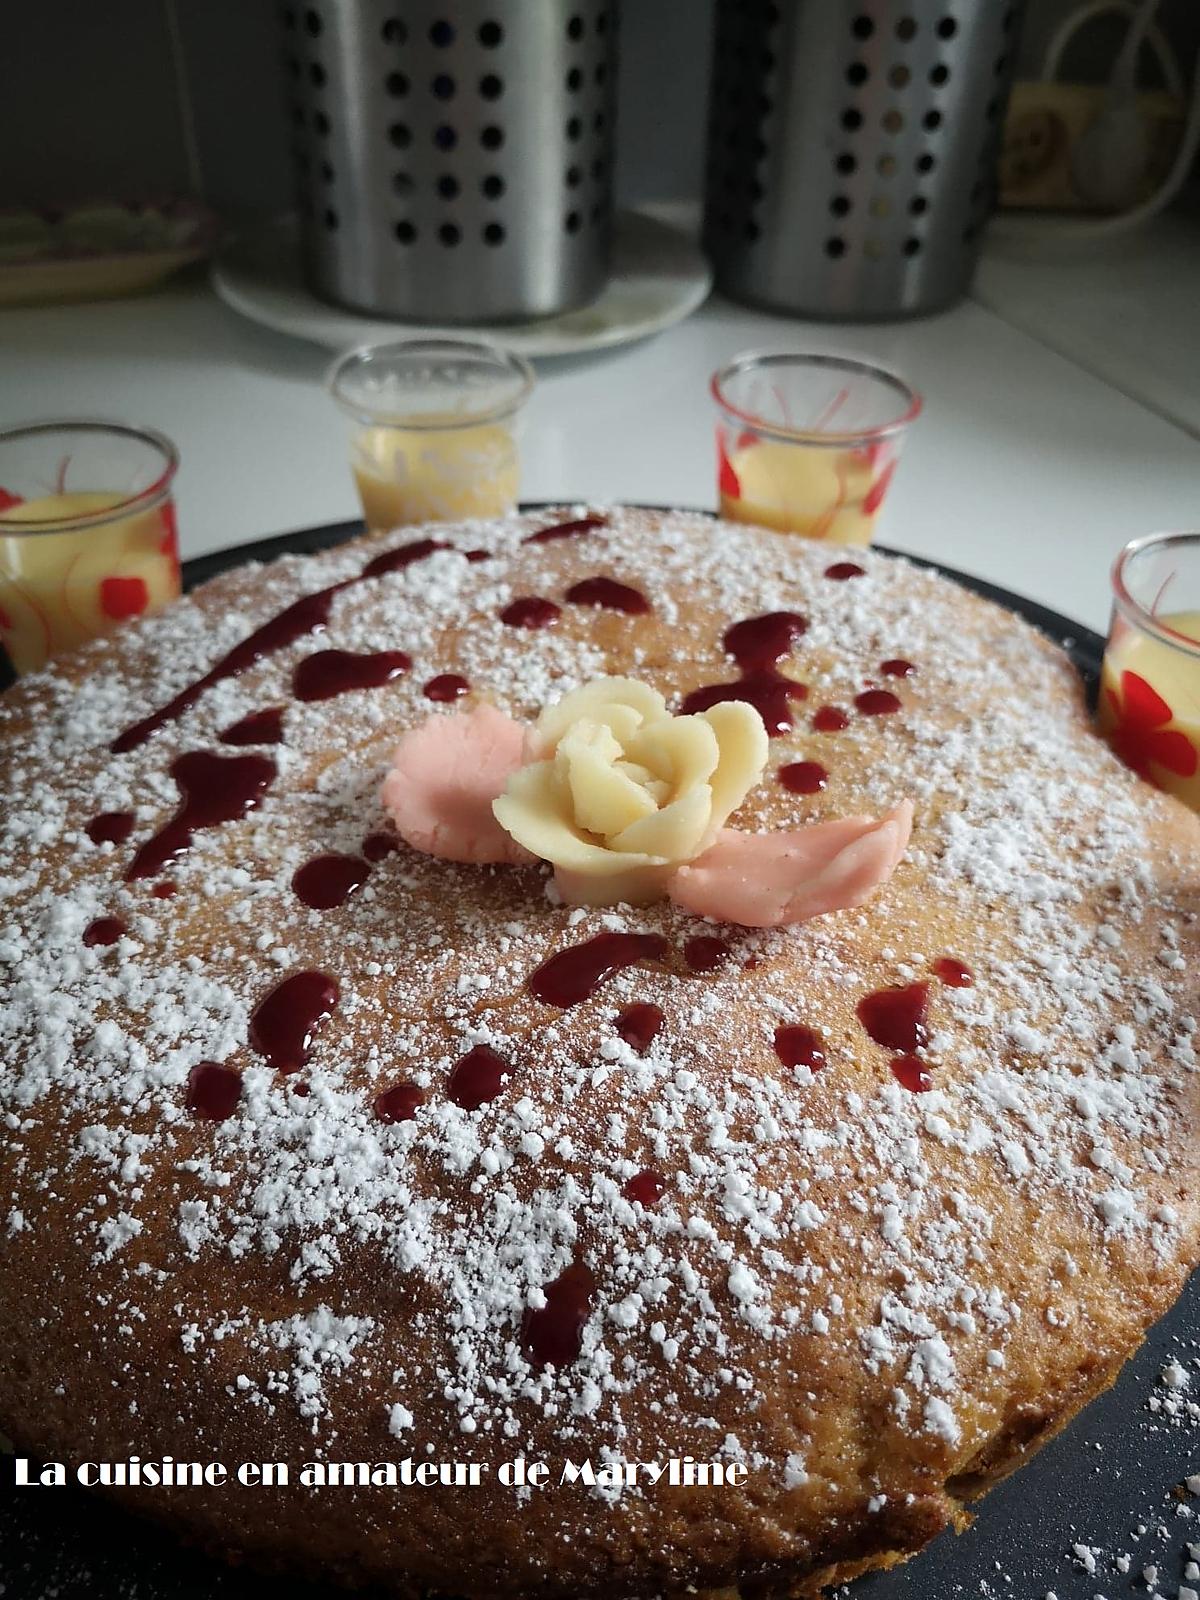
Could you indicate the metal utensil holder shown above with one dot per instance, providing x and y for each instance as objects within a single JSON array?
[
  {"x": 852, "y": 150},
  {"x": 454, "y": 157}
]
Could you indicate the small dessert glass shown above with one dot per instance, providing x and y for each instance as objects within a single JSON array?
[
  {"x": 1149, "y": 704},
  {"x": 433, "y": 428},
  {"x": 808, "y": 444},
  {"x": 87, "y": 533}
]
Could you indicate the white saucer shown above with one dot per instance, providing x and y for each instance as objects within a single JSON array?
[{"x": 659, "y": 277}]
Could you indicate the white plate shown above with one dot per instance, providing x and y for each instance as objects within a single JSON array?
[{"x": 659, "y": 277}]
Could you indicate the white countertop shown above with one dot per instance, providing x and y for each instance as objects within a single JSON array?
[{"x": 1025, "y": 468}]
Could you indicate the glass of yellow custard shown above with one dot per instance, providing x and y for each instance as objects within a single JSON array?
[
  {"x": 433, "y": 428},
  {"x": 87, "y": 533},
  {"x": 1149, "y": 703},
  {"x": 808, "y": 444}
]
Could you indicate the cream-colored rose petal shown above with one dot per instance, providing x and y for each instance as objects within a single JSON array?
[
  {"x": 532, "y": 810},
  {"x": 742, "y": 740},
  {"x": 605, "y": 799},
  {"x": 683, "y": 751},
  {"x": 608, "y": 700},
  {"x": 675, "y": 832}
]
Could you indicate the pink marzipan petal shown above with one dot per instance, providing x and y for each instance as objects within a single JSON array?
[
  {"x": 445, "y": 775},
  {"x": 768, "y": 880}
]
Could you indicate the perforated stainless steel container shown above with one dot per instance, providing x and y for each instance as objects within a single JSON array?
[
  {"x": 852, "y": 150},
  {"x": 454, "y": 157}
]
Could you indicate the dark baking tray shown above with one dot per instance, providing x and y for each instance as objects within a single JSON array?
[{"x": 1119, "y": 1466}]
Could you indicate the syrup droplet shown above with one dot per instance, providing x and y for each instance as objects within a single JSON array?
[
  {"x": 397, "y": 560},
  {"x": 803, "y": 777},
  {"x": 798, "y": 1046},
  {"x": 553, "y": 1334},
  {"x": 895, "y": 1018},
  {"x": 377, "y": 845},
  {"x": 530, "y": 611},
  {"x": 950, "y": 971},
  {"x": 260, "y": 727},
  {"x": 758, "y": 644},
  {"x": 104, "y": 931},
  {"x": 302, "y": 1089},
  {"x": 307, "y": 615},
  {"x": 705, "y": 952},
  {"x": 575, "y": 974},
  {"x": 877, "y": 702},
  {"x": 399, "y": 1103},
  {"x": 110, "y": 827},
  {"x": 479, "y": 555},
  {"x": 446, "y": 686},
  {"x": 478, "y": 1077},
  {"x": 283, "y": 1022},
  {"x": 163, "y": 890},
  {"x": 841, "y": 570},
  {"x": 565, "y": 530},
  {"x": 213, "y": 1091},
  {"x": 830, "y": 719},
  {"x": 913, "y": 1073},
  {"x": 610, "y": 594},
  {"x": 897, "y": 667},
  {"x": 328, "y": 881},
  {"x": 214, "y": 789},
  {"x": 638, "y": 1024},
  {"x": 334, "y": 672},
  {"x": 645, "y": 1188}
]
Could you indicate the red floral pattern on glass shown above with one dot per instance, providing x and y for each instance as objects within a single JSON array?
[{"x": 1140, "y": 735}]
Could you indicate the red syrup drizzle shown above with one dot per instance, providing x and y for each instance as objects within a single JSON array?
[
  {"x": 104, "y": 931},
  {"x": 803, "y": 777},
  {"x": 638, "y": 1025},
  {"x": 213, "y": 1091},
  {"x": 329, "y": 880},
  {"x": 478, "y": 555},
  {"x": 446, "y": 686},
  {"x": 950, "y": 971},
  {"x": 705, "y": 952},
  {"x": 377, "y": 845},
  {"x": 283, "y": 1022},
  {"x": 645, "y": 1188},
  {"x": 307, "y": 615},
  {"x": 575, "y": 974},
  {"x": 566, "y": 530},
  {"x": 530, "y": 611},
  {"x": 610, "y": 594},
  {"x": 260, "y": 727},
  {"x": 876, "y": 702},
  {"x": 913, "y": 1073},
  {"x": 758, "y": 644},
  {"x": 214, "y": 789},
  {"x": 164, "y": 890},
  {"x": 830, "y": 719},
  {"x": 897, "y": 667},
  {"x": 841, "y": 570},
  {"x": 798, "y": 1046},
  {"x": 399, "y": 1103},
  {"x": 553, "y": 1334},
  {"x": 334, "y": 672},
  {"x": 110, "y": 827},
  {"x": 478, "y": 1077},
  {"x": 896, "y": 1018}
]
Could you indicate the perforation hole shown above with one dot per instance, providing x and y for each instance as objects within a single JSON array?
[
  {"x": 846, "y": 162},
  {"x": 835, "y": 247},
  {"x": 321, "y": 124},
  {"x": 939, "y": 75},
  {"x": 892, "y": 120},
  {"x": 397, "y": 85},
  {"x": 312, "y": 24},
  {"x": 449, "y": 233},
  {"x": 931, "y": 120},
  {"x": 330, "y": 219},
  {"x": 493, "y": 234},
  {"x": 862, "y": 27},
  {"x": 493, "y": 186},
  {"x": 327, "y": 173},
  {"x": 574, "y": 129},
  {"x": 492, "y": 137},
  {"x": 394, "y": 31},
  {"x": 443, "y": 86},
  {"x": 402, "y": 183},
  {"x": 912, "y": 247},
  {"x": 574, "y": 177},
  {"x": 400, "y": 135},
  {"x": 918, "y": 206},
  {"x": 851, "y": 119},
  {"x": 840, "y": 205},
  {"x": 491, "y": 87},
  {"x": 316, "y": 75},
  {"x": 445, "y": 137},
  {"x": 405, "y": 232},
  {"x": 573, "y": 222},
  {"x": 906, "y": 29},
  {"x": 899, "y": 75},
  {"x": 857, "y": 73},
  {"x": 441, "y": 33},
  {"x": 925, "y": 163},
  {"x": 947, "y": 28},
  {"x": 574, "y": 80},
  {"x": 447, "y": 186},
  {"x": 886, "y": 166},
  {"x": 575, "y": 29},
  {"x": 880, "y": 206}
]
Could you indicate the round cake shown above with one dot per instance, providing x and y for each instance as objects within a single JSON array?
[{"x": 736, "y": 1261}]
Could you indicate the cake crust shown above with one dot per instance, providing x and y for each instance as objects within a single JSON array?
[{"x": 877, "y": 1301}]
